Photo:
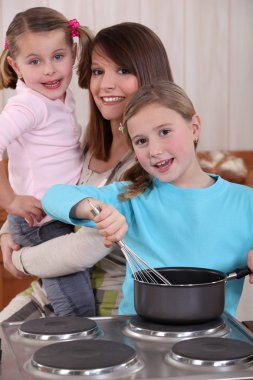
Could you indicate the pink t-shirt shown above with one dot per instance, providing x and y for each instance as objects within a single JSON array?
[{"x": 42, "y": 140}]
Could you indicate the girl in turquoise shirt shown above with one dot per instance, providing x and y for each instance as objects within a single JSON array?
[{"x": 169, "y": 211}]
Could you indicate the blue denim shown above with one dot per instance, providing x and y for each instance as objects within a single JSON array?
[
  {"x": 29, "y": 236},
  {"x": 68, "y": 295},
  {"x": 71, "y": 294}
]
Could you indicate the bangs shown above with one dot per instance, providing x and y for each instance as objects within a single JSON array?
[{"x": 119, "y": 56}]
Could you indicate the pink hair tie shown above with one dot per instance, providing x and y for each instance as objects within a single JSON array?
[
  {"x": 74, "y": 24},
  {"x": 6, "y": 44}
]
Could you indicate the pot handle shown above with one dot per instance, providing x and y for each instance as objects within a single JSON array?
[{"x": 238, "y": 273}]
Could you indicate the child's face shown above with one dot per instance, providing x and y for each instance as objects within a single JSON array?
[
  {"x": 111, "y": 86},
  {"x": 164, "y": 144},
  {"x": 44, "y": 61}
]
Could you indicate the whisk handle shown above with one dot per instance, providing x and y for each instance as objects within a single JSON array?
[
  {"x": 120, "y": 243},
  {"x": 94, "y": 209}
]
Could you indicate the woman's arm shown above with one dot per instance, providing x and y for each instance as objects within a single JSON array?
[
  {"x": 7, "y": 247},
  {"x": 63, "y": 255}
]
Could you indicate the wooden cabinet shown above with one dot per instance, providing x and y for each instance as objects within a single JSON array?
[{"x": 9, "y": 285}]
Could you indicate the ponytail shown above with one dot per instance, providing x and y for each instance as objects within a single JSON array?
[
  {"x": 84, "y": 56},
  {"x": 8, "y": 77},
  {"x": 140, "y": 182}
]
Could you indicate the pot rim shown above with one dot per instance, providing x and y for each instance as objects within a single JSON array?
[
  {"x": 223, "y": 276},
  {"x": 181, "y": 285}
]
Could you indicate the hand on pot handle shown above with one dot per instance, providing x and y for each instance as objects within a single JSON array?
[{"x": 250, "y": 265}]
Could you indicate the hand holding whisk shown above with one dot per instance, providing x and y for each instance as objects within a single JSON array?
[{"x": 140, "y": 269}]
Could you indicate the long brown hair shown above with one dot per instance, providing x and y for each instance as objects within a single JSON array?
[
  {"x": 35, "y": 20},
  {"x": 135, "y": 47},
  {"x": 163, "y": 93}
]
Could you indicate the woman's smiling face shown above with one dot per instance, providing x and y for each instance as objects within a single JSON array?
[
  {"x": 164, "y": 143},
  {"x": 111, "y": 86}
]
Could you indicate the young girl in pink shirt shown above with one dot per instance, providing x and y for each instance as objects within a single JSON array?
[{"x": 38, "y": 125}]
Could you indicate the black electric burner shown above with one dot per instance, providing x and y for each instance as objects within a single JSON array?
[
  {"x": 216, "y": 352},
  {"x": 141, "y": 328},
  {"x": 80, "y": 357},
  {"x": 116, "y": 354},
  {"x": 59, "y": 328}
]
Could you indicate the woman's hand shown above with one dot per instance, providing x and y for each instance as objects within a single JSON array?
[
  {"x": 250, "y": 265},
  {"x": 111, "y": 224},
  {"x": 7, "y": 247}
]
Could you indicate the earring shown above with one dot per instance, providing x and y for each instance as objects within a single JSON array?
[{"x": 121, "y": 128}]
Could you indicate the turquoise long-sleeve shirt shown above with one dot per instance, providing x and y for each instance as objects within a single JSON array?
[{"x": 175, "y": 227}]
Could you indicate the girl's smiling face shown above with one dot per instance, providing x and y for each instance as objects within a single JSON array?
[
  {"x": 44, "y": 61},
  {"x": 163, "y": 142}
]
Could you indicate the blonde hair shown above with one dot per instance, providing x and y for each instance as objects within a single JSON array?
[
  {"x": 132, "y": 46},
  {"x": 163, "y": 93},
  {"x": 35, "y": 20}
]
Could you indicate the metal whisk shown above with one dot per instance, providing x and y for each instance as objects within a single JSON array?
[{"x": 140, "y": 269}]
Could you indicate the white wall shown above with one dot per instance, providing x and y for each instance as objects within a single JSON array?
[{"x": 209, "y": 43}]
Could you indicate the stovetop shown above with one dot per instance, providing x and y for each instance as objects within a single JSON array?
[{"x": 152, "y": 359}]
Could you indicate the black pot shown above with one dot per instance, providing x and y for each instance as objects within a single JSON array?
[{"x": 196, "y": 295}]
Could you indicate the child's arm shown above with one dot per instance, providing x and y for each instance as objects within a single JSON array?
[
  {"x": 25, "y": 206},
  {"x": 110, "y": 222}
]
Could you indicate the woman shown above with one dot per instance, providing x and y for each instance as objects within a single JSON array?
[{"x": 123, "y": 58}]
